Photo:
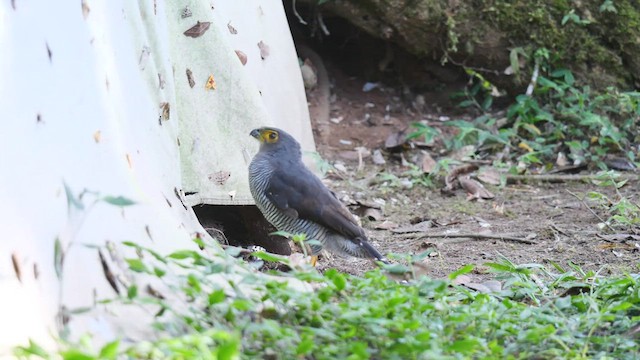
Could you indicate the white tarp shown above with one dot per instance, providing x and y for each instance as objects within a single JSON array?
[{"x": 83, "y": 88}]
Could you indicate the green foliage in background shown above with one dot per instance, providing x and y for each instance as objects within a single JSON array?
[{"x": 559, "y": 116}]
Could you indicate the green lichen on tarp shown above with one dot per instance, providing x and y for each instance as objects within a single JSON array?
[{"x": 215, "y": 146}]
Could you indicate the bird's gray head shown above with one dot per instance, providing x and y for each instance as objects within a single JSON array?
[{"x": 275, "y": 140}]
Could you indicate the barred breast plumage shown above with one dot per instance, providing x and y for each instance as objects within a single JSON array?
[{"x": 294, "y": 200}]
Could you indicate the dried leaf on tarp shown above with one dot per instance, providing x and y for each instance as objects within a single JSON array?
[
  {"x": 192, "y": 82},
  {"x": 396, "y": 141},
  {"x": 220, "y": 177},
  {"x": 186, "y": 12},
  {"x": 161, "y": 81},
  {"x": 198, "y": 29},
  {"x": 619, "y": 163},
  {"x": 16, "y": 266},
  {"x": 232, "y": 30},
  {"x": 264, "y": 49},
  {"x": 489, "y": 175},
  {"x": 153, "y": 292},
  {"x": 211, "y": 83},
  {"x": 242, "y": 56},
  {"x": 428, "y": 164},
  {"x": 108, "y": 274},
  {"x": 97, "y": 136},
  {"x": 386, "y": 225},
  {"x": 85, "y": 9},
  {"x": 144, "y": 57},
  {"x": 474, "y": 189},
  {"x": 165, "y": 111}
]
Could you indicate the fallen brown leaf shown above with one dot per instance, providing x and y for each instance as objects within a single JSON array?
[
  {"x": 428, "y": 163},
  {"x": 489, "y": 175},
  {"x": 369, "y": 204},
  {"x": 386, "y": 225},
  {"x": 474, "y": 189},
  {"x": 464, "y": 153},
  {"x": 373, "y": 214},
  {"x": 396, "y": 141},
  {"x": 377, "y": 158},
  {"x": 451, "y": 179}
]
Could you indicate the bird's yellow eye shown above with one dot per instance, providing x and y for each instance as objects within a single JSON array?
[{"x": 270, "y": 136}]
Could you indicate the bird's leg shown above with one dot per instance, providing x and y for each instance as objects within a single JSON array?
[{"x": 314, "y": 260}]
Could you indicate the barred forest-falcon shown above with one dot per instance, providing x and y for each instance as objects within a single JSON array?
[{"x": 294, "y": 200}]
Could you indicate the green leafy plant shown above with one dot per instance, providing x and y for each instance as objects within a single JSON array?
[
  {"x": 589, "y": 126},
  {"x": 622, "y": 211},
  {"x": 477, "y": 94},
  {"x": 557, "y": 114},
  {"x": 539, "y": 312}
]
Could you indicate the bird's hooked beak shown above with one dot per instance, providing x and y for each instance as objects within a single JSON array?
[{"x": 255, "y": 133}]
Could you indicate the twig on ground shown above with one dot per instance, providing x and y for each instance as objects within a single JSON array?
[
  {"x": 471, "y": 236},
  {"x": 561, "y": 178},
  {"x": 590, "y": 209}
]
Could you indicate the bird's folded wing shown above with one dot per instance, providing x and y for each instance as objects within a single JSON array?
[{"x": 307, "y": 196}]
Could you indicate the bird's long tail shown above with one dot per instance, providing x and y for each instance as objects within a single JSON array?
[{"x": 375, "y": 254}]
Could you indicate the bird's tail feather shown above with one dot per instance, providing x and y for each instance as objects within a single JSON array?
[{"x": 373, "y": 252}]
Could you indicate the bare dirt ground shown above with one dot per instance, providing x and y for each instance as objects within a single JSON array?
[{"x": 561, "y": 228}]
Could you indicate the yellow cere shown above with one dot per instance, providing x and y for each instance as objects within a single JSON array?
[{"x": 269, "y": 136}]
